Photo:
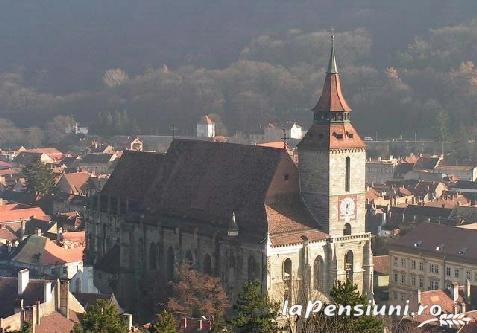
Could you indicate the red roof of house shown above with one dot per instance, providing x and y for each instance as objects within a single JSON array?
[
  {"x": 40, "y": 250},
  {"x": 74, "y": 236},
  {"x": 56, "y": 323},
  {"x": 272, "y": 144},
  {"x": 10, "y": 212}
]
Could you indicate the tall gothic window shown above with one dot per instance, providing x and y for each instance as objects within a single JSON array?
[
  {"x": 152, "y": 256},
  {"x": 252, "y": 268},
  {"x": 208, "y": 264},
  {"x": 348, "y": 173},
  {"x": 170, "y": 263},
  {"x": 318, "y": 273},
  {"x": 349, "y": 266}
]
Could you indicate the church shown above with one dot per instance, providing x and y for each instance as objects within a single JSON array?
[{"x": 240, "y": 212}]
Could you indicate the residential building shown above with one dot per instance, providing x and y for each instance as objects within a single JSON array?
[{"x": 430, "y": 257}]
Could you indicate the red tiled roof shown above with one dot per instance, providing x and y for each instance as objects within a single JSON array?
[
  {"x": 272, "y": 144},
  {"x": 74, "y": 236},
  {"x": 76, "y": 180},
  {"x": 56, "y": 323},
  {"x": 331, "y": 96},
  {"x": 332, "y": 136},
  {"x": 40, "y": 250},
  {"x": 289, "y": 223},
  {"x": 10, "y": 212},
  {"x": 7, "y": 235}
]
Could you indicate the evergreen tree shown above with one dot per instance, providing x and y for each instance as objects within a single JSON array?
[
  {"x": 254, "y": 312},
  {"x": 39, "y": 178},
  {"x": 101, "y": 317},
  {"x": 164, "y": 323},
  {"x": 346, "y": 293}
]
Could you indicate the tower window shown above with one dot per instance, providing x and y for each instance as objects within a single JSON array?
[{"x": 348, "y": 173}]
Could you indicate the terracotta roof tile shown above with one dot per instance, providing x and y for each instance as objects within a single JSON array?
[
  {"x": 332, "y": 136},
  {"x": 331, "y": 98},
  {"x": 289, "y": 223},
  {"x": 10, "y": 212},
  {"x": 39, "y": 250},
  {"x": 55, "y": 323}
]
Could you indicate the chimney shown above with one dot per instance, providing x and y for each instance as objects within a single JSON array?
[
  {"x": 129, "y": 321},
  {"x": 47, "y": 295},
  {"x": 59, "y": 234},
  {"x": 455, "y": 291},
  {"x": 467, "y": 291},
  {"x": 23, "y": 279},
  {"x": 37, "y": 312},
  {"x": 419, "y": 296},
  {"x": 64, "y": 298}
]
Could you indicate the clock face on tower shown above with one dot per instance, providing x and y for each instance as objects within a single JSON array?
[{"x": 347, "y": 208}]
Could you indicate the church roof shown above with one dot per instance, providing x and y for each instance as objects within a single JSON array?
[
  {"x": 208, "y": 181},
  {"x": 204, "y": 183},
  {"x": 133, "y": 174},
  {"x": 289, "y": 222},
  {"x": 332, "y": 98},
  {"x": 332, "y": 136}
]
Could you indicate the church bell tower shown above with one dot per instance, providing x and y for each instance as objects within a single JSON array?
[{"x": 332, "y": 160}]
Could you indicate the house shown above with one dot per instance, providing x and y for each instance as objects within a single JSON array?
[
  {"x": 25, "y": 158},
  {"x": 96, "y": 163},
  {"x": 70, "y": 192},
  {"x": 44, "y": 256},
  {"x": 52, "y": 153},
  {"x": 206, "y": 127},
  {"x": 462, "y": 172},
  {"x": 381, "y": 277},
  {"x": 380, "y": 171},
  {"x": 46, "y": 304},
  {"x": 431, "y": 257}
]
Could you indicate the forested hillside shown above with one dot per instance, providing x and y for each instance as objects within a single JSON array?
[{"x": 125, "y": 67}]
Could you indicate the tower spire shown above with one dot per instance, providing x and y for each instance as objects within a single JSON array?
[{"x": 332, "y": 67}]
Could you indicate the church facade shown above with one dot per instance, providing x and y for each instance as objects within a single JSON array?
[{"x": 240, "y": 212}]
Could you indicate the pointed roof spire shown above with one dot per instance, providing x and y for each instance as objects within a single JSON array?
[{"x": 332, "y": 67}]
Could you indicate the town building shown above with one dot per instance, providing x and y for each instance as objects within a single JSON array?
[
  {"x": 206, "y": 127},
  {"x": 47, "y": 305},
  {"x": 242, "y": 212},
  {"x": 431, "y": 257}
]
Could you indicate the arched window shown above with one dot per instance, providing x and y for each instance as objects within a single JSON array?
[
  {"x": 231, "y": 268},
  {"x": 287, "y": 269},
  {"x": 349, "y": 266},
  {"x": 170, "y": 263},
  {"x": 318, "y": 273},
  {"x": 347, "y": 229},
  {"x": 189, "y": 260},
  {"x": 348, "y": 174},
  {"x": 252, "y": 268},
  {"x": 153, "y": 256},
  {"x": 207, "y": 264}
]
